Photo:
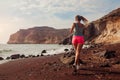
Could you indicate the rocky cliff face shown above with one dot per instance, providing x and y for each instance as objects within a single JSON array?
[
  {"x": 105, "y": 29},
  {"x": 38, "y": 35}
]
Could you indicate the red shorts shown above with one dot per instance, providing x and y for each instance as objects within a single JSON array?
[{"x": 78, "y": 39}]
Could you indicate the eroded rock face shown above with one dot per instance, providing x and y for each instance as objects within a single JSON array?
[
  {"x": 106, "y": 29},
  {"x": 38, "y": 35}
]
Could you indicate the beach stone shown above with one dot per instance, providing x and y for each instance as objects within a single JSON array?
[
  {"x": 95, "y": 51},
  {"x": 37, "y": 55},
  {"x": 1, "y": 58},
  {"x": 99, "y": 53},
  {"x": 22, "y": 56},
  {"x": 55, "y": 54},
  {"x": 110, "y": 54},
  {"x": 26, "y": 56},
  {"x": 41, "y": 54},
  {"x": 66, "y": 50},
  {"x": 96, "y": 45},
  {"x": 106, "y": 64},
  {"x": 71, "y": 52},
  {"x": 68, "y": 58},
  {"x": 31, "y": 55},
  {"x": 105, "y": 53},
  {"x": 8, "y": 58},
  {"x": 44, "y": 51},
  {"x": 115, "y": 62},
  {"x": 15, "y": 56}
]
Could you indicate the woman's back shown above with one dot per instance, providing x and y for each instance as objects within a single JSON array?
[{"x": 78, "y": 29}]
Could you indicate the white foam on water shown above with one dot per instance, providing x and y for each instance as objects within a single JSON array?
[
  {"x": 58, "y": 51},
  {"x": 6, "y": 50},
  {"x": 4, "y": 61}
]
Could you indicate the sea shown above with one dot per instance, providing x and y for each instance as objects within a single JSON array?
[{"x": 6, "y": 50}]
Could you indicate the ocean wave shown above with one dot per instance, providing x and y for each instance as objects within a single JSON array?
[{"x": 5, "y": 50}]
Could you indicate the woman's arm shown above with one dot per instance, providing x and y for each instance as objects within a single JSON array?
[
  {"x": 84, "y": 20},
  {"x": 71, "y": 30}
]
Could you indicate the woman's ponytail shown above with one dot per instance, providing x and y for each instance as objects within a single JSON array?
[{"x": 84, "y": 20}]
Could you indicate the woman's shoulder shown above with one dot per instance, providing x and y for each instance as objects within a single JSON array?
[
  {"x": 81, "y": 25},
  {"x": 74, "y": 23}
]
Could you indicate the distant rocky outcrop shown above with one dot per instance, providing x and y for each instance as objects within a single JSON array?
[{"x": 38, "y": 35}]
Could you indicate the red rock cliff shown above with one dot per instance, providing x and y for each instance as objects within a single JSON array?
[{"x": 38, "y": 35}]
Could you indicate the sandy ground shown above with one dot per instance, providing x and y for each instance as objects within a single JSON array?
[{"x": 51, "y": 68}]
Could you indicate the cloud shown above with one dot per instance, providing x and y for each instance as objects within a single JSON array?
[
  {"x": 46, "y": 9},
  {"x": 52, "y": 7},
  {"x": 57, "y": 13},
  {"x": 61, "y": 9},
  {"x": 18, "y": 14},
  {"x": 52, "y": 13}
]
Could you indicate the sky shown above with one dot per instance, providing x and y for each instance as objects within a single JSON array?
[{"x": 23, "y": 14}]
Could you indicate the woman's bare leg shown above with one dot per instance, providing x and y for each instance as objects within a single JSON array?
[
  {"x": 77, "y": 55},
  {"x": 75, "y": 47}
]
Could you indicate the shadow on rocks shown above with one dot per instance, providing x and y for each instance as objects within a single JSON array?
[{"x": 69, "y": 57}]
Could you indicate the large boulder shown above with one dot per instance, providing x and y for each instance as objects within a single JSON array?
[
  {"x": 105, "y": 53},
  {"x": 68, "y": 57}
]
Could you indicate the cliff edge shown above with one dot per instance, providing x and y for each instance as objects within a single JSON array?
[{"x": 38, "y": 35}]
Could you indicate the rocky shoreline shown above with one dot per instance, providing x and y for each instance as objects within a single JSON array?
[{"x": 98, "y": 63}]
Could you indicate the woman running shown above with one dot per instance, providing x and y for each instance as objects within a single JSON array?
[{"x": 78, "y": 30}]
